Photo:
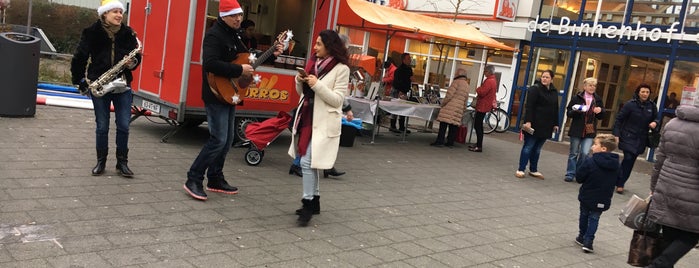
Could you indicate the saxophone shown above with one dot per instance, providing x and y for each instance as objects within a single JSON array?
[{"x": 108, "y": 81}]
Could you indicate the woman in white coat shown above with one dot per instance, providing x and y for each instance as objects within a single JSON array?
[{"x": 317, "y": 123}]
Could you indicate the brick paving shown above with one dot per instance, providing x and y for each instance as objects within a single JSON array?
[{"x": 400, "y": 205}]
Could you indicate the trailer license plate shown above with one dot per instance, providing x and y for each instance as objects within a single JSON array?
[{"x": 150, "y": 106}]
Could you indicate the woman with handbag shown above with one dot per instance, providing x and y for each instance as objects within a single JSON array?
[
  {"x": 631, "y": 126},
  {"x": 675, "y": 186},
  {"x": 317, "y": 124},
  {"x": 584, "y": 108}
]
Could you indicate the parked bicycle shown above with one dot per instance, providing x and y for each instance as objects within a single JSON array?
[{"x": 497, "y": 120}]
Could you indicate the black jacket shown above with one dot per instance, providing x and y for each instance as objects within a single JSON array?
[
  {"x": 631, "y": 124},
  {"x": 96, "y": 45},
  {"x": 401, "y": 78},
  {"x": 580, "y": 118},
  {"x": 542, "y": 109},
  {"x": 598, "y": 177},
  {"x": 221, "y": 46}
]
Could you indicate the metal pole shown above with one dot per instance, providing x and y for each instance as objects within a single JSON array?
[{"x": 29, "y": 17}]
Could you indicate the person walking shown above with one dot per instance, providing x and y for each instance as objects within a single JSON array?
[
  {"x": 401, "y": 85},
  {"x": 584, "y": 108},
  {"x": 317, "y": 125},
  {"x": 484, "y": 103},
  {"x": 105, "y": 43},
  {"x": 221, "y": 46},
  {"x": 674, "y": 186},
  {"x": 631, "y": 126},
  {"x": 597, "y": 174},
  {"x": 453, "y": 108},
  {"x": 541, "y": 119}
]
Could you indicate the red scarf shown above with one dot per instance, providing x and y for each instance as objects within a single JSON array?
[{"x": 319, "y": 68}]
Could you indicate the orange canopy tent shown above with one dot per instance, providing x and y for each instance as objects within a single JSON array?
[{"x": 366, "y": 15}]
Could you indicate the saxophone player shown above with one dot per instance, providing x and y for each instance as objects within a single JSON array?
[{"x": 104, "y": 44}]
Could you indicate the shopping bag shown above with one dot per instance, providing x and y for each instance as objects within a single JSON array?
[
  {"x": 461, "y": 134},
  {"x": 645, "y": 246},
  {"x": 634, "y": 213}
]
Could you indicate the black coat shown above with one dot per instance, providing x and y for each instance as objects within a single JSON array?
[
  {"x": 96, "y": 45},
  {"x": 221, "y": 46},
  {"x": 541, "y": 109},
  {"x": 631, "y": 124},
  {"x": 401, "y": 78},
  {"x": 598, "y": 177},
  {"x": 580, "y": 118}
]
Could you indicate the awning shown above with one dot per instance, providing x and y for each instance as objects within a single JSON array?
[{"x": 387, "y": 18}]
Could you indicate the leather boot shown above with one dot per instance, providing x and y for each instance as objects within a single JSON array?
[
  {"x": 306, "y": 212},
  {"x": 101, "y": 162},
  {"x": 122, "y": 163},
  {"x": 315, "y": 206},
  {"x": 295, "y": 170},
  {"x": 332, "y": 172}
]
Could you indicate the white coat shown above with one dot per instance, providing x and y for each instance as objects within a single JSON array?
[{"x": 330, "y": 91}]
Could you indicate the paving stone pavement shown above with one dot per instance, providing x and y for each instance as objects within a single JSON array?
[{"x": 399, "y": 205}]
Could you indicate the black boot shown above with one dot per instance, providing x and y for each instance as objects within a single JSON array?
[
  {"x": 306, "y": 212},
  {"x": 294, "y": 169},
  {"x": 220, "y": 185},
  {"x": 101, "y": 162},
  {"x": 315, "y": 206},
  {"x": 332, "y": 172},
  {"x": 195, "y": 189},
  {"x": 122, "y": 163}
]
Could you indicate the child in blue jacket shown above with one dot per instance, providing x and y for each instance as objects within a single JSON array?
[{"x": 597, "y": 174}]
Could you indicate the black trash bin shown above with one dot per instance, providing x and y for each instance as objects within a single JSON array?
[
  {"x": 19, "y": 74},
  {"x": 347, "y": 135}
]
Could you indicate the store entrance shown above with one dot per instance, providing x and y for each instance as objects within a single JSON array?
[{"x": 617, "y": 79}]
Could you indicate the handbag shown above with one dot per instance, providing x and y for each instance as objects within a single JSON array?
[
  {"x": 653, "y": 139},
  {"x": 633, "y": 214},
  {"x": 645, "y": 246}
]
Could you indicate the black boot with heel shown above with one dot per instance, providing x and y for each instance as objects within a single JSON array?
[
  {"x": 332, "y": 172},
  {"x": 315, "y": 206},
  {"x": 122, "y": 163},
  {"x": 101, "y": 162},
  {"x": 306, "y": 212},
  {"x": 295, "y": 170}
]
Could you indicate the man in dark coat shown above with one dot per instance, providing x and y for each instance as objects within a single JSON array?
[
  {"x": 222, "y": 43},
  {"x": 401, "y": 85}
]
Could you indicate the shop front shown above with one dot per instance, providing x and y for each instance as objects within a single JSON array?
[{"x": 576, "y": 41}]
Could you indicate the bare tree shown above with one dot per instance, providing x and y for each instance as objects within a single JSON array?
[{"x": 460, "y": 6}]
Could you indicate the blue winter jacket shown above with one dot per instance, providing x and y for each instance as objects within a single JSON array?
[
  {"x": 598, "y": 177},
  {"x": 631, "y": 124}
]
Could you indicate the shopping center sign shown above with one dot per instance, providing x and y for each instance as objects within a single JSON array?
[{"x": 627, "y": 32}]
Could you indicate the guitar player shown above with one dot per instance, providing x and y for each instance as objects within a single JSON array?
[{"x": 222, "y": 44}]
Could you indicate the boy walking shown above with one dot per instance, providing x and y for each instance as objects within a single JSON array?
[{"x": 597, "y": 174}]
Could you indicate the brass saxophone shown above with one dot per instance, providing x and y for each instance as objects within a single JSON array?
[{"x": 108, "y": 81}]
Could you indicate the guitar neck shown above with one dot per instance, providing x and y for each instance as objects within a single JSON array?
[{"x": 263, "y": 57}]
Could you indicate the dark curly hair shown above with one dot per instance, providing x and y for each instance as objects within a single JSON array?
[
  {"x": 334, "y": 45},
  {"x": 639, "y": 87}
]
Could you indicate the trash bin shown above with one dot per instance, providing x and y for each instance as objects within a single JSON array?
[{"x": 19, "y": 74}]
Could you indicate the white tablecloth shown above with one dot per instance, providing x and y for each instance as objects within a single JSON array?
[{"x": 365, "y": 109}]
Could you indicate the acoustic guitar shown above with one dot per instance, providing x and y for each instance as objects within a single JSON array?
[{"x": 230, "y": 90}]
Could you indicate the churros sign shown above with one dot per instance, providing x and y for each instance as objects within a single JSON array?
[{"x": 267, "y": 90}]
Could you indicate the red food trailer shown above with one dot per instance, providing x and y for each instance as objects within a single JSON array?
[{"x": 169, "y": 80}]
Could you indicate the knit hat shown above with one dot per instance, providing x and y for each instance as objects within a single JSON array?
[
  {"x": 229, "y": 7},
  {"x": 108, "y": 5}
]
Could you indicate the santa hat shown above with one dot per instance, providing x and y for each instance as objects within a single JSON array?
[
  {"x": 108, "y": 5},
  {"x": 229, "y": 7}
]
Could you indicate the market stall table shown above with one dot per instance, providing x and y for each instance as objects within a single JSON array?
[{"x": 367, "y": 110}]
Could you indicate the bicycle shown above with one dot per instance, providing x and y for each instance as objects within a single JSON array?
[{"x": 497, "y": 119}]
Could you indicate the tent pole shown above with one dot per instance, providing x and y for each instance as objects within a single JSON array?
[{"x": 377, "y": 121}]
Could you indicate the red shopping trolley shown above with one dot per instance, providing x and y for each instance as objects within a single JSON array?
[{"x": 260, "y": 134}]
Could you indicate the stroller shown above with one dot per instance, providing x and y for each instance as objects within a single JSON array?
[{"x": 260, "y": 134}]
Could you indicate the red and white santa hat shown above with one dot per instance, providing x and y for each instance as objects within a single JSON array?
[
  {"x": 108, "y": 5},
  {"x": 229, "y": 7}
]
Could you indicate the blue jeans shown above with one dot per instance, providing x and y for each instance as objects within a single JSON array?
[
  {"x": 579, "y": 149},
  {"x": 122, "y": 112},
  {"x": 221, "y": 121},
  {"x": 311, "y": 176},
  {"x": 531, "y": 150},
  {"x": 589, "y": 220},
  {"x": 625, "y": 168}
]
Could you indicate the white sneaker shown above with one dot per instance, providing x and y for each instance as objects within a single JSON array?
[
  {"x": 537, "y": 175},
  {"x": 519, "y": 174}
]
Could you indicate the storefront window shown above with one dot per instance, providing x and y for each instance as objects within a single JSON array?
[
  {"x": 684, "y": 77},
  {"x": 610, "y": 10},
  {"x": 560, "y": 8},
  {"x": 656, "y": 12},
  {"x": 556, "y": 60},
  {"x": 692, "y": 14}
]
